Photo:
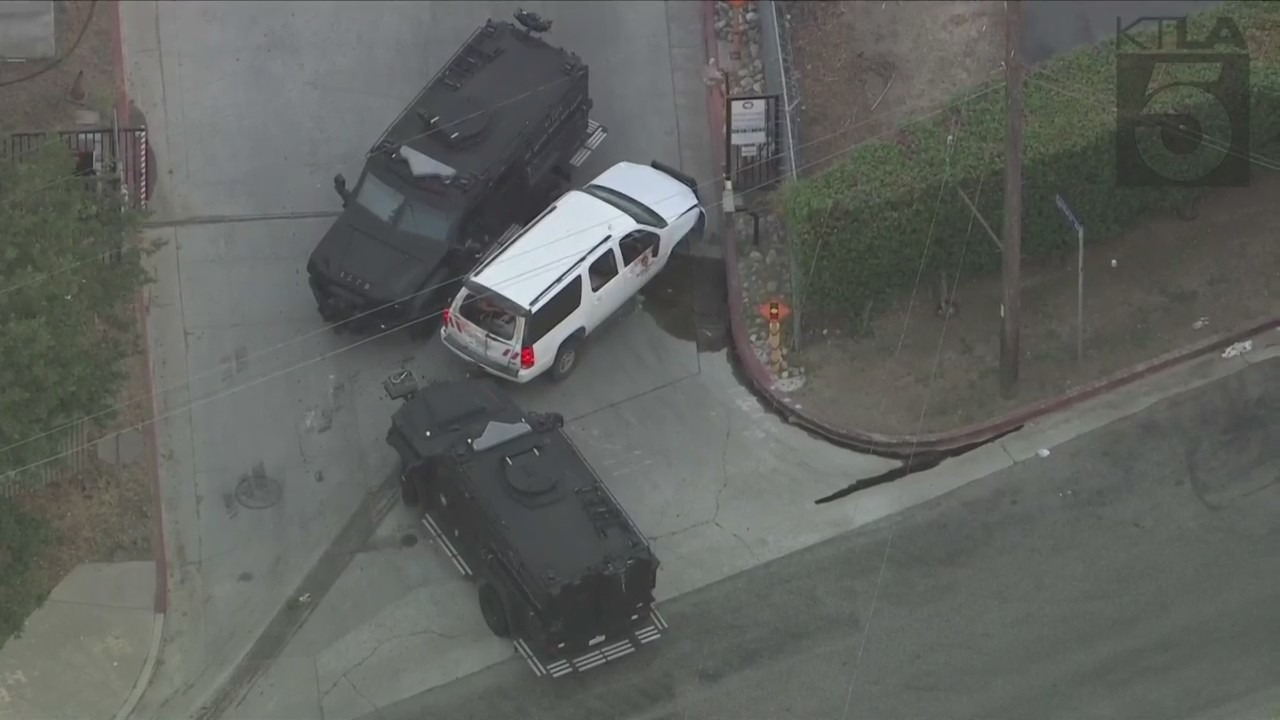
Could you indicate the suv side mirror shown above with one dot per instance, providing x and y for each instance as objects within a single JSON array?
[{"x": 340, "y": 185}]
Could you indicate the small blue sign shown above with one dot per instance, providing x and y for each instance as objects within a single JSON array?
[{"x": 1071, "y": 217}]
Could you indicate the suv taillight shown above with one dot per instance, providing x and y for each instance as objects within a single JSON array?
[
  {"x": 444, "y": 317},
  {"x": 526, "y": 358}
]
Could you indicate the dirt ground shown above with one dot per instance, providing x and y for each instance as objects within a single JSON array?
[
  {"x": 104, "y": 514},
  {"x": 867, "y": 65},
  {"x": 49, "y": 100},
  {"x": 1174, "y": 282}
]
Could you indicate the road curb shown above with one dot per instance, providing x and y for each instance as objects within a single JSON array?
[
  {"x": 159, "y": 552},
  {"x": 144, "y": 314},
  {"x": 908, "y": 446},
  {"x": 148, "y": 669}
]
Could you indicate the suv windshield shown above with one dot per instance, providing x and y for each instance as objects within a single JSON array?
[
  {"x": 391, "y": 206},
  {"x": 629, "y": 205}
]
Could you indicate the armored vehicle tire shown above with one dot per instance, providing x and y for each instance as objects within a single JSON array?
[
  {"x": 566, "y": 358},
  {"x": 408, "y": 493},
  {"x": 494, "y": 609},
  {"x": 426, "y": 324}
]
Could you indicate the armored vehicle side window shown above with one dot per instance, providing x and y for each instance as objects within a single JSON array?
[
  {"x": 638, "y": 211},
  {"x": 637, "y": 244},
  {"x": 604, "y": 269},
  {"x": 556, "y": 310}
]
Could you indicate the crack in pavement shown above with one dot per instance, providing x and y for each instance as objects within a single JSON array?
[
  {"x": 724, "y": 483},
  {"x": 356, "y": 690},
  {"x": 376, "y": 648}
]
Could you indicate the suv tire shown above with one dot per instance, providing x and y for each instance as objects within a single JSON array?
[
  {"x": 494, "y": 609},
  {"x": 566, "y": 358}
]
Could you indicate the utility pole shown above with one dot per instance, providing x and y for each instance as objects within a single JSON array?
[{"x": 1011, "y": 248}]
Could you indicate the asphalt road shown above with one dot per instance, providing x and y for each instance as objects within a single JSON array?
[{"x": 1133, "y": 573}]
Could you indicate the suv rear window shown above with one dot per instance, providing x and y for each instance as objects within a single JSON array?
[
  {"x": 638, "y": 211},
  {"x": 555, "y": 311},
  {"x": 487, "y": 315}
]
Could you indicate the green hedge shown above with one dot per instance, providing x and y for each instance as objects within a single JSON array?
[
  {"x": 22, "y": 539},
  {"x": 859, "y": 230}
]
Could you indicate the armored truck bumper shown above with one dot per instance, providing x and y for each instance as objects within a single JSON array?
[
  {"x": 356, "y": 314},
  {"x": 645, "y": 627}
]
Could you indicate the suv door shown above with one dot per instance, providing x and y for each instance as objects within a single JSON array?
[
  {"x": 608, "y": 289},
  {"x": 639, "y": 251}
]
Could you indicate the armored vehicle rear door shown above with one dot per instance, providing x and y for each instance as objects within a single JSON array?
[{"x": 605, "y": 603}]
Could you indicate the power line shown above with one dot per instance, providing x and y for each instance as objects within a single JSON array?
[
  {"x": 222, "y": 366},
  {"x": 323, "y": 356}
]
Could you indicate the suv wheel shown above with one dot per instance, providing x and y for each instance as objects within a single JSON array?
[
  {"x": 566, "y": 359},
  {"x": 494, "y": 610},
  {"x": 699, "y": 229}
]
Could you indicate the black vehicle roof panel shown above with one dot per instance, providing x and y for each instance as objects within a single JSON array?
[
  {"x": 569, "y": 530},
  {"x": 514, "y": 89}
]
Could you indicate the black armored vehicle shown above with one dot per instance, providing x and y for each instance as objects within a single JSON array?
[
  {"x": 560, "y": 568},
  {"x": 485, "y": 147}
]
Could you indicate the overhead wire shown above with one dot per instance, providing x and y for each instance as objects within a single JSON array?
[
  {"x": 326, "y": 328},
  {"x": 323, "y": 356}
]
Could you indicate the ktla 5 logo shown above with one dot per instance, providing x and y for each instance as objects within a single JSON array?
[{"x": 1182, "y": 109}]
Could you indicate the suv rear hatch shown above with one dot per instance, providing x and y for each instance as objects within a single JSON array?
[{"x": 486, "y": 328}]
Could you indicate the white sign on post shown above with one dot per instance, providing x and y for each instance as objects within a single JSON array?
[
  {"x": 750, "y": 123},
  {"x": 1078, "y": 226},
  {"x": 1071, "y": 217}
]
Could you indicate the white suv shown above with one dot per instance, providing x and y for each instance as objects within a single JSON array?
[{"x": 528, "y": 306}]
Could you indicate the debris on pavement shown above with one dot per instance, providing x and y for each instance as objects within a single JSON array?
[{"x": 1238, "y": 349}]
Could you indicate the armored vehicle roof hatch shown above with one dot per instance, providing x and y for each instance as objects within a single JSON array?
[{"x": 488, "y": 108}]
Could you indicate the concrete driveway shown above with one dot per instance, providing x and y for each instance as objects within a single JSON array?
[{"x": 252, "y": 108}]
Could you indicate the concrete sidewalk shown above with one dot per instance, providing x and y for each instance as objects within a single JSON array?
[{"x": 88, "y": 651}]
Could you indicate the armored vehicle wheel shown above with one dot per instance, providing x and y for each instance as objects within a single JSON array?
[
  {"x": 408, "y": 492},
  {"x": 494, "y": 610},
  {"x": 566, "y": 358}
]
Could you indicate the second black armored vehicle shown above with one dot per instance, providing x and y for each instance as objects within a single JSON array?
[
  {"x": 560, "y": 567},
  {"x": 486, "y": 146}
]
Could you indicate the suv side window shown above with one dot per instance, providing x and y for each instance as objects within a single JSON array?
[
  {"x": 636, "y": 244},
  {"x": 604, "y": 269},
  {"x": 555, "y": 311}
]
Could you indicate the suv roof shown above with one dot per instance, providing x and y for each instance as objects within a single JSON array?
[
  {"x": 501, "y": 83},
  {"x": 536, "y": 489},
  {"x": 548, "y": 248}
]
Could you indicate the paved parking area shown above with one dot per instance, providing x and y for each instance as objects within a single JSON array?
[{"x": 252, "y": 108}]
